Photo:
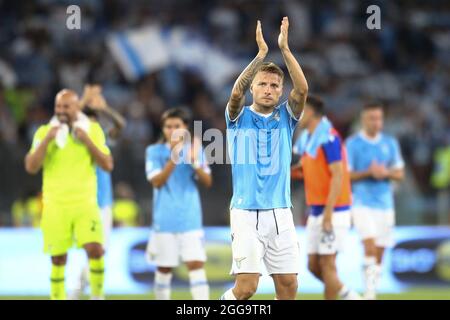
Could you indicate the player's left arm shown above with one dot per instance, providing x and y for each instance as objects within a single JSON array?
[
  {"x": 103, "y": 160},
  {"x": 396, "y": 174},
  {"x": 397, "y": 171},
  {"x": 297, "y": 96},
  {"x": 332, "y": 150}
]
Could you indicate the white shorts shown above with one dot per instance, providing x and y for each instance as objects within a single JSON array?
[
  {"x": 165, "y": 248},
  {"x": 107, "y": 221},
  {"x": 376, "y": 224},
  {"x": 264, "y": 235},
  {"x": 322, "y": 243}
]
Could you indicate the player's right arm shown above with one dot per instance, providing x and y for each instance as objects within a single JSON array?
[
  {"x": 158, "y": 175},
  {"x": 35, "y": 157},
  {"x": 161, "y": 178},
  {"x": 242, "y": 84}
]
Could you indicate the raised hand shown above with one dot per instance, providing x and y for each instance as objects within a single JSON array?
[
  {"x": 283, "y": 37},
  {"x": 90, "y": 92},
  {"x": 262, "y": 45}
]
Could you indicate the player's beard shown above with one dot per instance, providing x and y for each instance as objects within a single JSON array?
[{"x": 267, "y": 104}]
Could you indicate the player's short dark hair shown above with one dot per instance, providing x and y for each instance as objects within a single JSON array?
[
  {"x": 181, "y": 113},
  {"x": 271, "y": 67},
  {"x": 373, "y": 105},
  {"x": 316, "y": 104}
]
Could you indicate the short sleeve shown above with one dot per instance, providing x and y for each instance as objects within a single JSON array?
[
  {"x": 98, "y": 137},
  {"x": 397, "y": 159},
  {"x": 350, "y": 154},
  {"x": 292, "y": 119},
  {"x": 232, "y": 123},
  {"x": 153, "y": 164},
  {"x": 332, "y": 149},
  {"x": 38, "y": 137}
]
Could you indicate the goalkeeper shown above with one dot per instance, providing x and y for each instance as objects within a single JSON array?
[{"x": 68, "y": 149}]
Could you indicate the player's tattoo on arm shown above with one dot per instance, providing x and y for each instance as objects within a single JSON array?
[
  {"x": 117, "y": 119},
  {"x": 237, "y": 98},
  {"x": 297, "y": 97},
  {"x": 242, "y": 84}
]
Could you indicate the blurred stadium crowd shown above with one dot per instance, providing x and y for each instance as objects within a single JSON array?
[{"x": 406, "y": 65}]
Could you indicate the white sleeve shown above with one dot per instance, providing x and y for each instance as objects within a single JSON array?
[
  {"x": 289, "y": 110},
  {"x": 152, "y": 165},
  {"x": 227, "y": 114}
]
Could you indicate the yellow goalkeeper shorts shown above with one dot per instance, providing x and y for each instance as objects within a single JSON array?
[{"x": 63, "y": 225}]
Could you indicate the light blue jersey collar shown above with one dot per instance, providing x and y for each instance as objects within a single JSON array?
[
  {"x": 371, "y": 140},
  {"x": 259, "y": 113}
]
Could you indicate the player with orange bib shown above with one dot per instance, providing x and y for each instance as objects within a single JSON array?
[{"x": 328, "y": 195}]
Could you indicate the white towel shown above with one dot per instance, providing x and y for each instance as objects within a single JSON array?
[
  {"x": 63, "y": 132},
  {"x": 82, "y": 122}
]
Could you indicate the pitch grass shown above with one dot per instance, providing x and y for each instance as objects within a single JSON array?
[{"x": 417, "y": 294}]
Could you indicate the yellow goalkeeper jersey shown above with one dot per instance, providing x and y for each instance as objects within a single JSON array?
[{"x": 69, "y": 172}]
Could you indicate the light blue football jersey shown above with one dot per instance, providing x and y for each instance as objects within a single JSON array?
[
  {"x": 372, "y": 193},
  {"x": 176, "y": 205},
  {"x": 104, "y": 188},
  {"x": 260, "y": 150}
]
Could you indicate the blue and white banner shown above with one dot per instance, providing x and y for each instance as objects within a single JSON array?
[
  {"x": 421, "y": 257},
  {"x": 139, "y": 51},
  {"x": 148, "y": 49}
]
